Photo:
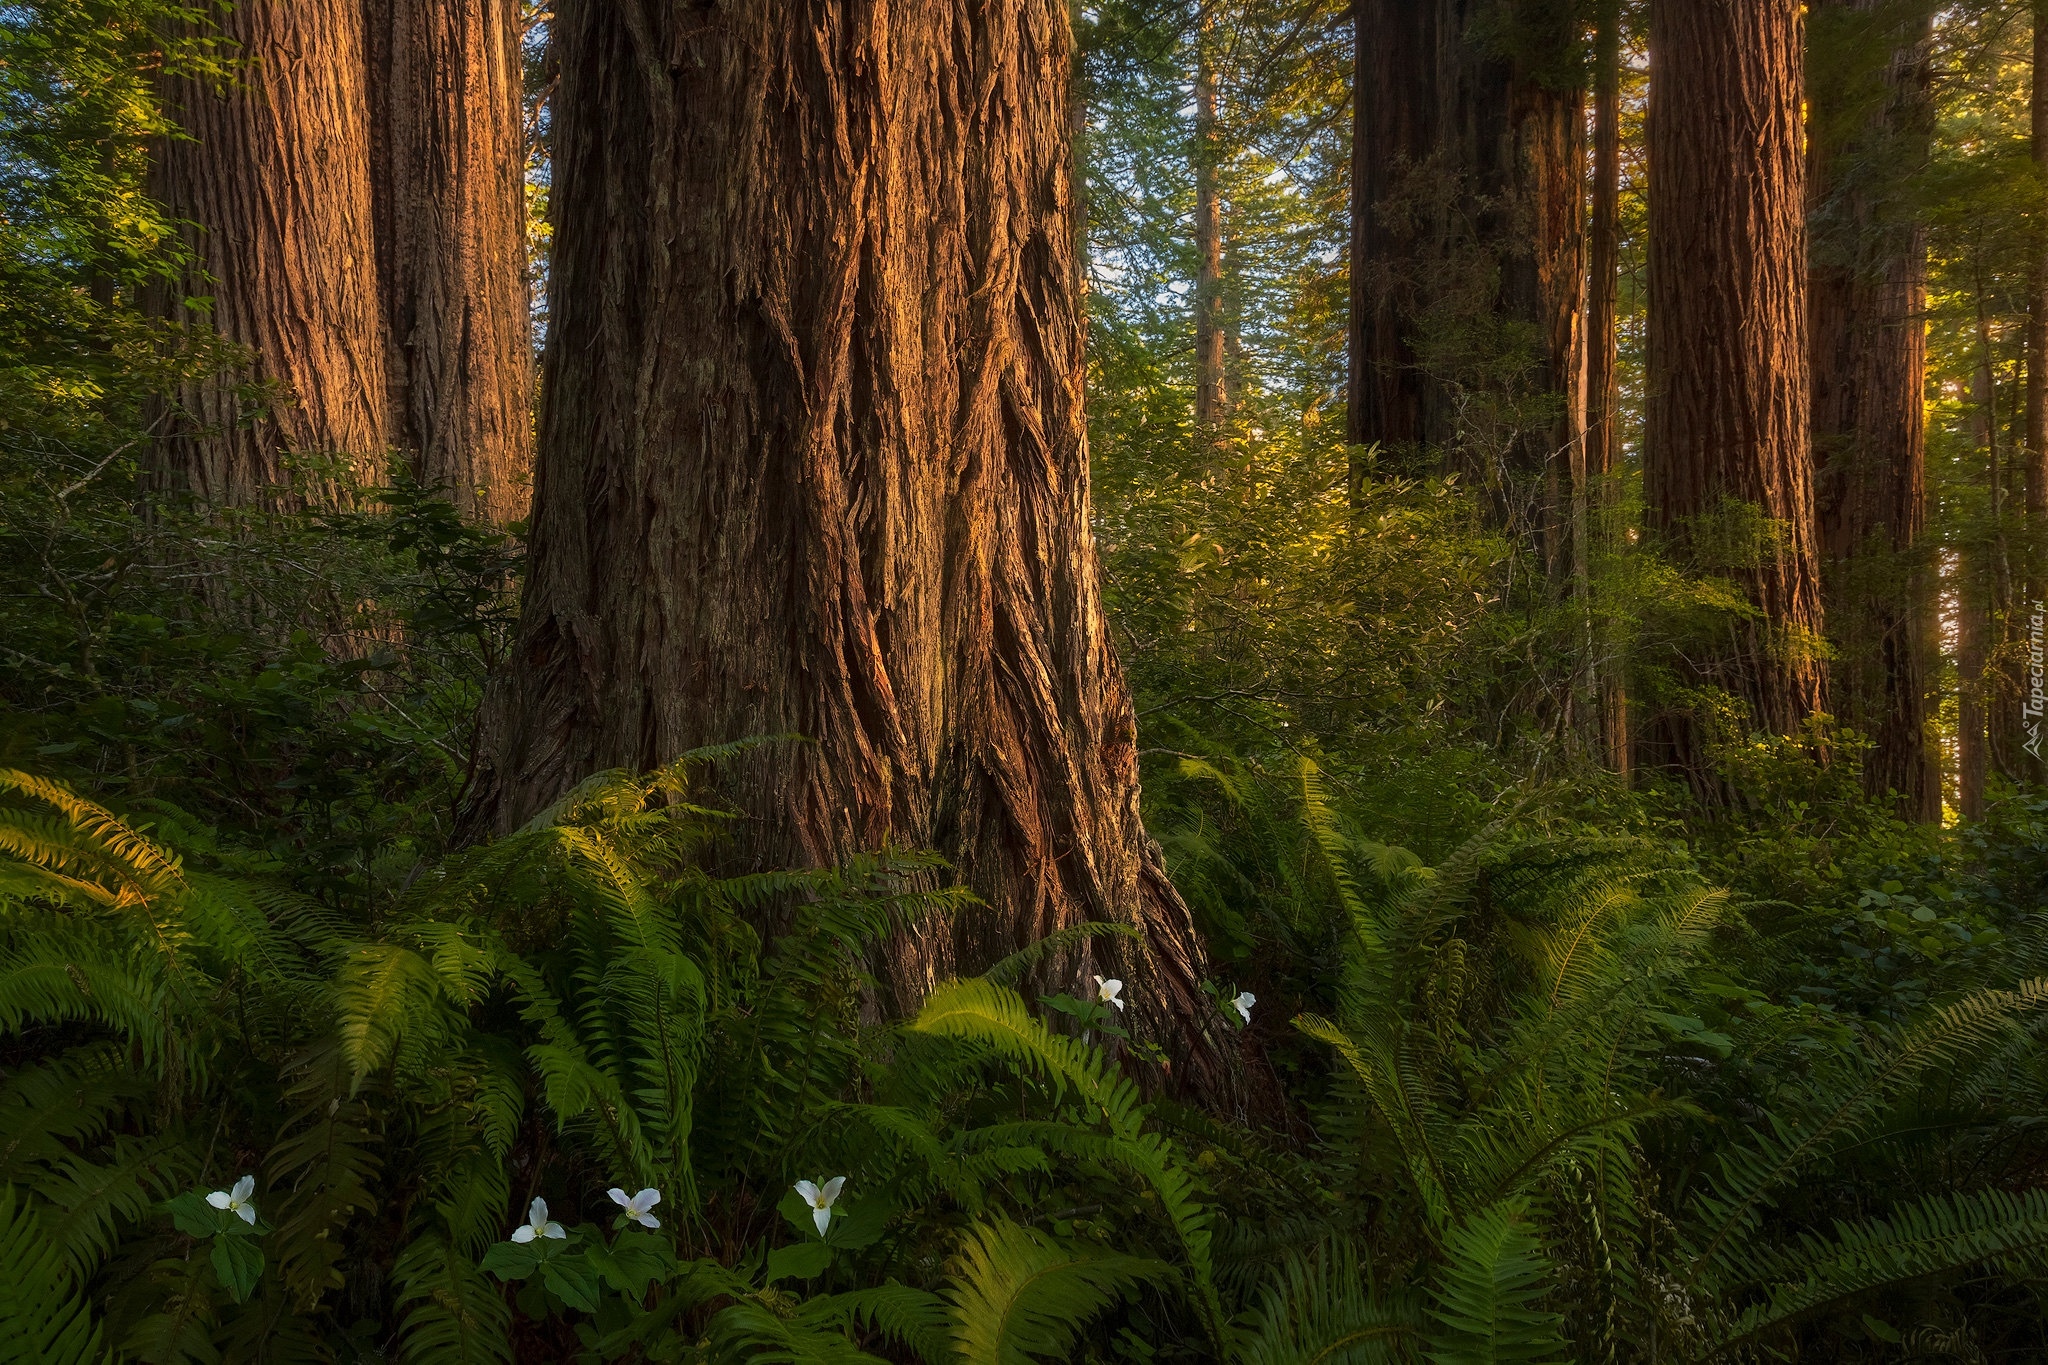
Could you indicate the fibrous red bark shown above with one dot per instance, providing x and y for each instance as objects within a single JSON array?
[
  {"x": 357, "y": 207},
  {"x": 451, "y": 163},
  {"x": 274, "y": 173},
  {"x": 813, "y": 460},
  {"x": 1468, "y": 194},
  {"x": 1727, "y": 462},
  {"x": 1868, "y": 337}
]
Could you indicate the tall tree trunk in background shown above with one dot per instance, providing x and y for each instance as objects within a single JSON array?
[
  {"x": 2029, "y": 760},
  {"x": 452, "y": 235},
  {"x": 1867, "y": 314},
  {"x": 1603, "y": 390},
  {"x": 2037, "y": 324},
  {"x": 275, "y": 174},
  {"x": 1468, "y": 247},
  {"x": 1975, "y": 587},
  {"x": 1468, "y": 188},
  {"x": 1727, "y": 461},
  {"x": 813, "y": 459},
  {"x": 1210, "y": 398}
]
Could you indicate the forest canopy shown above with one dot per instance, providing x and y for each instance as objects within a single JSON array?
[{"x": 1245, "y": 681}]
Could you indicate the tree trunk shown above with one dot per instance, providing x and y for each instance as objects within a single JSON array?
[
  {"x": 1727, "y": 464},
  {"x": 452, "y": 237},
  {"x": 1210, "y": 398},
  {"x": 2037, "y": 324},
  {"x": 275, "y": 174},
  {"x": 1603, "y": 389},
  {"x": 1467, "y": 252},
  {"x": 813, "y": 459},
  {"x": 1867, "y": 314},
  {"x": 2028, "y": 754}
]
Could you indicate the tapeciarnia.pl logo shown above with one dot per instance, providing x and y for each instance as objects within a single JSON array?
[{"x": 2037, "y": 696}]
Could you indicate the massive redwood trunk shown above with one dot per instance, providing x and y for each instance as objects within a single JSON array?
[
  {"x": 1467, "y": 250},
  {"x": 275, "y": 173},
  {"x": 1867, "y": 313},
  {"x": 813, "y": 460},
  {"x": 359, "y": 225},
  {"x": 1727, "y": 463},
  {"x": 452, "y": 233}
]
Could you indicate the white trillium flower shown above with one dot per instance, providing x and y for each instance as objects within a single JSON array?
[
  {"x": 1244, "y": 1002},
  {"x": 237, "y": 1199},
  {"x": 638, "y": 1205},
  {"x": 537, "y": 1224},
  {"x": 1107, "y": 991},
  {"x": 821, "y": 1200}
]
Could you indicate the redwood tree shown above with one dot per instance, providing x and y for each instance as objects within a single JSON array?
[
  {"x": 1602, "y": 464},
  {"x": 1727, "y": 459},
  {"x": 812, "y": 460},
  {"x": 1467, "y": 227},
  {"x": 1868, "y": 134},
  {"x": 357, "y": 204},
  {"x": 274, "y": 171},
  {"x": 1209, "y": 390},
  {"x": 451, "y": 162}
]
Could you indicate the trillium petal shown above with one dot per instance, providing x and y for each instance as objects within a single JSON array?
[
  {"x": 248, "y": 1212},
  {"x": 821, "y": 1216},
  {"x": 619, "y": 1197},
  {"x": 537, "y": 1212},
  {"x": 808, "y": 1191},
  {"x": 244, "y": 1187},
  {"x": 523, "y": 1233},
  {"x": 647, "y": 1220},
  {"x": 645, "y": 1200},
  {"x": 220, "y": 1199},
  {"x": 832, "y": 1189},
  {"x": 554, "y": 1230}
]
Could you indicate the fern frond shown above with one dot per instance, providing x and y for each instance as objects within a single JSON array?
[
  {"x": 1323, "y": 1309},
  {"x": 1012, "y": 968},
  {"x": 453, "y": 1311},
  {"x": 1930, "y": 1237},
  {"x": 1018, "y": 1296},
  {"x": 1489, "y": 1293},
  {"x": 42, "y": 1316}
]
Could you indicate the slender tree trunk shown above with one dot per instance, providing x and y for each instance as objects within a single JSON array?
[
  {"x": 1973, "y": 586},
  {"x": 2028, "y": 760},
  {"x": 1867, "y": 315},
  {"x": 1727, "y": 455},
  {"x": 1210, "y": 398},
  {"x": 1603, "y": 390},
  {"x": 813, "y": 460},
  {"x": 274, "y": 172},
  {"x": 2037, "y": 323},
  {"x": 452, "y": 235}
]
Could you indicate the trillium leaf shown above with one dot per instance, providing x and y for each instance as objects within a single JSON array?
[
  {"x": 512, "y": 1260},
  {"x": 239, "y": 1263},
  {"x": 798, "y": 1261},
  {"x": 194, "y": 1216},
  {"x": 571, "y": 1279}
]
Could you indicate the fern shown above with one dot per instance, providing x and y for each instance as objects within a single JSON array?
[
  {"x": 1489, "y": 1291},
  {"x": 1322, "y": 1308},
  {"x": 451, "y": 1311},
  {"x": 1929, "y": 1237},
  {"x": 989, "y": 1016},
  {"x": 1019, "y": 1296},
  {"x": 42, "y": 1317}
]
